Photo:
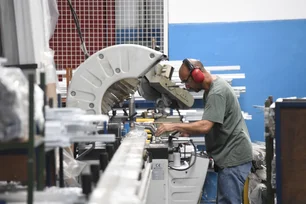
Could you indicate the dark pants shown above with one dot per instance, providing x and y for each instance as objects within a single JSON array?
[{"x": 231, "y": 182}]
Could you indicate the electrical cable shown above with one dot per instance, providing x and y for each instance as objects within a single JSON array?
[
  {"x": 76, "y": 21},
  {"x": 193, "y": 162},
  {"x": 179, "y": 113}
]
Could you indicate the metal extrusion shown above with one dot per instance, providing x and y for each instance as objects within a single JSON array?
[{"x": 120, "y": 182}]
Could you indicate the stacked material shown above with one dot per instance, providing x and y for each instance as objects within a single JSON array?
[
  {"x": 257, "y": 187},
  {"x": 13, "y": 104}
]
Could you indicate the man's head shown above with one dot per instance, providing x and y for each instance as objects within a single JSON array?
[{"x": 192, "y": 73}]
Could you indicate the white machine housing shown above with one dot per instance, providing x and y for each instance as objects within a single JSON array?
[
  {"x": 171, "y": 184},
  {"x": 112, "y": 75},
  {"x": 91, "y": 86}
]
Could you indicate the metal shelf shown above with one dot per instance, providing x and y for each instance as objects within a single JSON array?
[
  {"x": 33, "y": 147},
  {"x": 21, "y": 144}
]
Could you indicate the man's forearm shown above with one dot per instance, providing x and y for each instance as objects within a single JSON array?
[{"x": 199, "y": 127}]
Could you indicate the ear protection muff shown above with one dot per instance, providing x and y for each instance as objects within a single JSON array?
[{"x": 196, "y": 73}]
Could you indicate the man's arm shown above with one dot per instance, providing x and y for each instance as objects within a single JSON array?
[
  {"x": 213, "y": 113},
  {"x": 199, "y": 127}
]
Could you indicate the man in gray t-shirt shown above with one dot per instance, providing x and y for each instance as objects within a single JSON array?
[{"x": 226, "y": 135}]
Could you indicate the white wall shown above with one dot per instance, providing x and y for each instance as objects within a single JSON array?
[{"x": 206, "y": 11}]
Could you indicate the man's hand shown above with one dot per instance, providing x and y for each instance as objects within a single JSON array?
[
  {"x": 199, "y": 127},
  {"x": 165, "y": 127}
]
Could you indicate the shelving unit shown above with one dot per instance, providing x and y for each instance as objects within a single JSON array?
[
  {"x": 30, "y": 152},
  {"x": 284, "y": 134},
  {"x": 290, "y": 133}
]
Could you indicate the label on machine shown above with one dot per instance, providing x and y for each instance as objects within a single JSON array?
[{"x": 158, "y": 171}]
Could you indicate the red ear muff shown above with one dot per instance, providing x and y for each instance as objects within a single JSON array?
[{"x": 197, "y": 75}]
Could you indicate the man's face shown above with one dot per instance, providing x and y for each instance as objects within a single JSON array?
[{"x": 187, "y": 79}]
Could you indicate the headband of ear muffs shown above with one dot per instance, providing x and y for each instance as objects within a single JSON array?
[{"x": 196, "y": 73}]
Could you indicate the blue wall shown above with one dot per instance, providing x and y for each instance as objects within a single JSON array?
[{"x": 272, "y": 54}]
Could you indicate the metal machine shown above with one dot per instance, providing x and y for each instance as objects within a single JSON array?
[
  {"x": 178, "y": 171},
  {"x": 159, "y": 170},
  {"x": 111, "y": 75}
]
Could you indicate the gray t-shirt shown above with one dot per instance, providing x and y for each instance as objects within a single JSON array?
[{"x": 228, "y": 142}]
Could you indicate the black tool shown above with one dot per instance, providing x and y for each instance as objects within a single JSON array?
[
  {"x": 86, "y": 184},
  {"x": 110, "y": 150},
  {"x": 103, "y": 161},
  {"x": 95, "y": 173}
]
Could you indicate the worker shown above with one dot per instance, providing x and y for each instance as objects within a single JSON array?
[{"x": 226, "y": 135}]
